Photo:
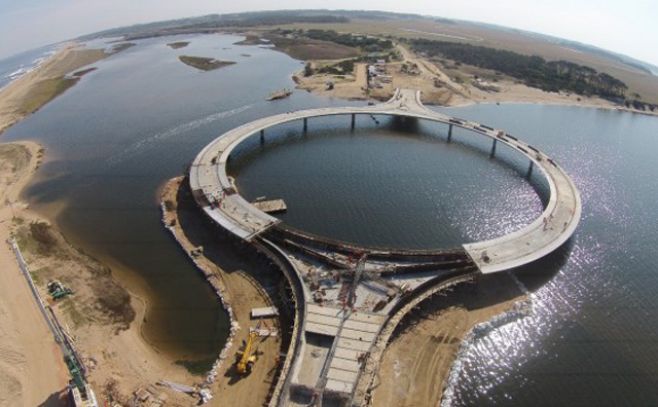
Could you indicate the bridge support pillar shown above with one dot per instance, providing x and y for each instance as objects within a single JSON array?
[
  {"x": 305, "y": 125},
  {"x": 262, "y": 136},
  {"x": 353, "y": 120},
  {"x": 532, "y": 164},
  {"x": 449, "y": 133},
  {"x": 493, "y": 149}
]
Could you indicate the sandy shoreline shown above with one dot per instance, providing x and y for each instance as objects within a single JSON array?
[
  {"x": 415, "y": 360},
  {"x": 238, "y": 289},
  {"x": 31, "y": 367},
  {"x": 31, "y": 91},
  {"x": 118, "y": 356},
  {"x": 416, "y": 364}
]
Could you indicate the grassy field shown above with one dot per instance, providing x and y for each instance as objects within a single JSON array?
[
  {"x": 44, "y": 92},
  {"x": 637, "y": 80},
  {"x": 305, "y": 48}
]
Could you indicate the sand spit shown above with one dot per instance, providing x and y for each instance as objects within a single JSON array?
[{"x": 51, "y": 78}]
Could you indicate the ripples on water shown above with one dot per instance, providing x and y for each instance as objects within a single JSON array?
[
  {"x": 591, "y": 337},
  {"x": 384, "y": 186}
]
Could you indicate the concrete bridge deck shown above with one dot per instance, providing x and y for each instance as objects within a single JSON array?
[
  {"x": 347, "y": 310},
  {"x": 215, "y": 192}
]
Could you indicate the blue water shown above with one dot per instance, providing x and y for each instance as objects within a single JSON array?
[
  {"x": 142, "y": 116},
  {"x": 15, "y": 66}
]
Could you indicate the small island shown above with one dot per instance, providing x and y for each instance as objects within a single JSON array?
[
  {"x": 204, "y": 64},
  {"x": 122, "y": 46},
  {"x": 178, "y": 44}
]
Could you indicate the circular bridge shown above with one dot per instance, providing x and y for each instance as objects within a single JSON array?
[
  {"x": 215, "y": 193},
  {"x": 349, "y": 299}
]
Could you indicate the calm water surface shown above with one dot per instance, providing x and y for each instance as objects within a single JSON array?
[{"x": 142, "y": 116}]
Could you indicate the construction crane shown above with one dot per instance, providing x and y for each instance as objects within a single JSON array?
[
  {"x": 358, "y": 272},
  {"x": 247, "y": 360}
]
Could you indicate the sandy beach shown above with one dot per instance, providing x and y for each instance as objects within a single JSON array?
[{"x": 32, "y": 370}]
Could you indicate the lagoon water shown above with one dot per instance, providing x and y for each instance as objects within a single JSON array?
[{"x": 142, "y": 116}]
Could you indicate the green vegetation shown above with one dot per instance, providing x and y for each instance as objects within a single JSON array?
[
  {"x": 365, "y": 42},
  {"x": 329, "y": 44},
  {"x": 44, "y": 92},
  {"x": 120, "y": 47},
  {"x": 197, "y": 367},
  {"x": 79, "y": 317},
  {"x": 204, "y": 64},
  {"x": 534, "y": 71},
  {"x": 36, "y": 238},
  {"x": 301, "y": 47},
  {"x": 308, "y": 69},
  {"x": 341, "y": 68},
  {"x": 178, "y": 44},
  {"x": 83, "y": 72},
  {"x": 640, "y": 105}
]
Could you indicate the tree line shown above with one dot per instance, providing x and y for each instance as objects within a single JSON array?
[
  {"x": 366, "y": 43},
  {"x": 535, "y": 71}
]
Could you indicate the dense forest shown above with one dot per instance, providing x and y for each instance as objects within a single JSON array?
[{"x": 534, "y": 71}]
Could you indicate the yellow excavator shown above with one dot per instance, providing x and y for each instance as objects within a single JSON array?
[{"x": 247, "y": 359}]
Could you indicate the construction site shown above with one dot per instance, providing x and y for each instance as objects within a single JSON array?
[
  {"x": 348, "y": 299},
  {"x": 80, "y": 393}
]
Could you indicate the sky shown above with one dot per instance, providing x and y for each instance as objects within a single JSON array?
[{"x": 626, "y": 26}]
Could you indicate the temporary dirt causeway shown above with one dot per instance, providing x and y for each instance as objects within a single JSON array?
[{"x": 222, "y": 264}]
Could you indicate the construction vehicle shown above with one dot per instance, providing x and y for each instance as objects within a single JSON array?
[
  {"x": 81, "y": 395},
  {"x": 247, "y": 359},
  {"x": 57, "y": 290}
]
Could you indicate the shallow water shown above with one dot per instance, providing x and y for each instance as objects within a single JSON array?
[
  {"x": 142, "y": 116},
  {"x": 15, "y": 66}
]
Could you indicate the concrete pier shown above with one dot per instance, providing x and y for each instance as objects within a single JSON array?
[
  {"x": 305, "y": 125},
  {"x": 449, "y": 133},
  {"x": 529, "y": 173},
  {"x": 493, "y": 149},
  {"x": 353, "y": 121},
  {"x": 271, "y": 206}
]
